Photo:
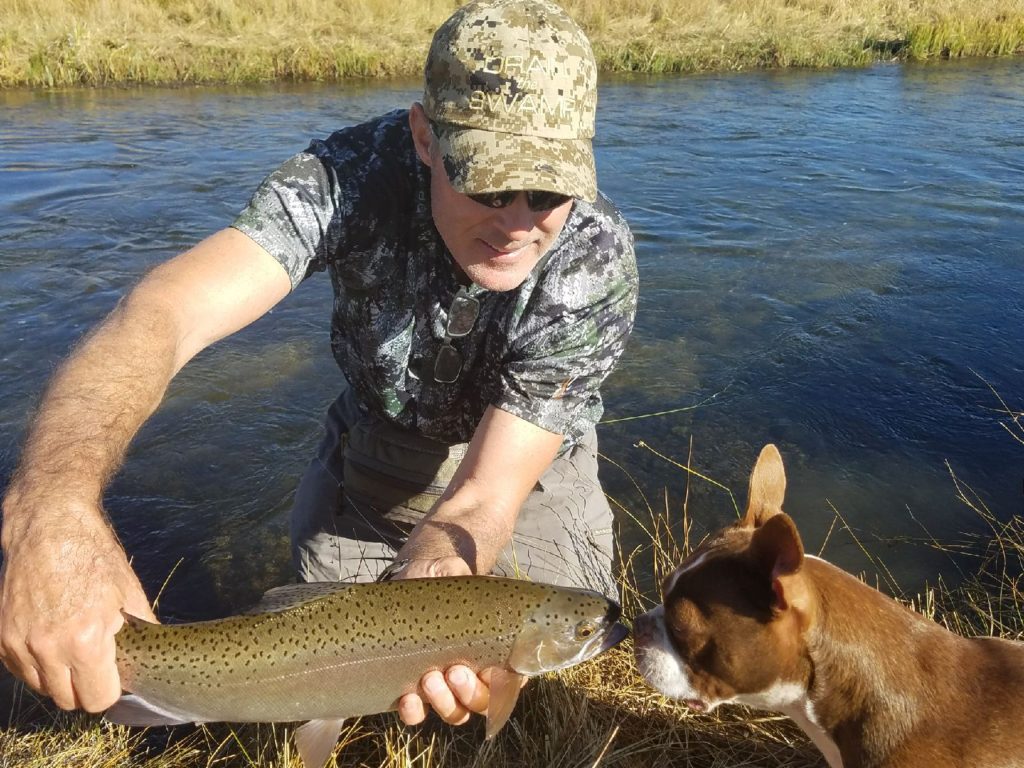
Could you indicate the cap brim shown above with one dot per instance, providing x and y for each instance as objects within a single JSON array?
[{"x": 479, "y": 161}]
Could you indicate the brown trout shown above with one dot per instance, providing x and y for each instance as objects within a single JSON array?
[{"x": 325, "y": 652}]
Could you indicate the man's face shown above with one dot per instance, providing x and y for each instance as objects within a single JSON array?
[{"x": 496, "y": 247}]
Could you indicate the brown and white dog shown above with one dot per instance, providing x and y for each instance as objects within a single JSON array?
[{"x": 749, "y": 618}]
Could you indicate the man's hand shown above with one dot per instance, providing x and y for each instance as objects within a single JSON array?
[
  {"x": 465, "y": 533},
  {"x": 63, "y": 586},
  {"x": 66, "y": 579},
  {"x": 457, "y": 692},
  {"x": 439, "y": 566},
  {"x": 453, "y": 695}
]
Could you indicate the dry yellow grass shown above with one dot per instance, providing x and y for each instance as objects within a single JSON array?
[
  {"x": 67, "y": 42},
  {"x": 597, "y": 714},
  {"x": 600, "y": 713}
]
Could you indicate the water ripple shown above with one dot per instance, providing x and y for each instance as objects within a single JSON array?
[{"x": 830, "y": 255}]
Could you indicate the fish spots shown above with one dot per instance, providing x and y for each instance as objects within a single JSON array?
[{"x": 285, "y": 664}]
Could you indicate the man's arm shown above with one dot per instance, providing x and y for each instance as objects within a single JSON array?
[
  {"x": 466, "y": 532},
  {"x": 474, "y": 518},
  {"x": 65, "y": 577}
]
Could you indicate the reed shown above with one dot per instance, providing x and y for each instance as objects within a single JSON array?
[{"x": 56, "y": 43}]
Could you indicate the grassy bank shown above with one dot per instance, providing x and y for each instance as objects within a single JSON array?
[
  {"x": 597, "y": 714},
  {"x": 93, "y": 42}
]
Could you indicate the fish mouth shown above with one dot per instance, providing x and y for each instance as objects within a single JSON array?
[
  {"x": 615, "y": 635},
  {"x": 616, "y": 632}
]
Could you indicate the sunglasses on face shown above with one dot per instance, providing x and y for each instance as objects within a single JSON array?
[
  {"x": 461, "y": 319},
  {"x": 538, "y": 201}
]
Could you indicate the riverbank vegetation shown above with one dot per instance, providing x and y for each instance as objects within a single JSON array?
[
  {"x": 46, "y": 43},
  {"x": 600, "y": 713}
]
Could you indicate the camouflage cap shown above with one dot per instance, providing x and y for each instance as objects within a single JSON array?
[{"x": 511, "y": 87}]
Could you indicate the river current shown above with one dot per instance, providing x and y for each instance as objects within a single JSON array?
[{"x": 829, "y": 260}]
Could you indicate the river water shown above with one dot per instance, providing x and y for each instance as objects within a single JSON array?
[{"x": 829, "y": 260}]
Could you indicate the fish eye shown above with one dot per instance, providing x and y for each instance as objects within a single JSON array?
[{"x": 585, "y": 630}]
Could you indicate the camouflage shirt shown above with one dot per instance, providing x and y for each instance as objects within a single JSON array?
[{"x": 358, "y": 206}]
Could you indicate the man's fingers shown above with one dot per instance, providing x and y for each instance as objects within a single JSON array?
[
  {"x": 453, "y": 695},
  {"x": 431, "y": 568},
  {"x": 74, "y": 665},
  {"x": 442, "y": 699},
  {"x": 469, "y": 689},
  {"x": 90, "y": 655},
  {"x": 92, "y": 688},
  {"x": 55, "y": 680},
  {"x": 411, "y": 709},
  {"x": 61, "y": 604},
  {"x": 96, "y": 689},
  {"x": 27, "y": 673},
  {"x": 11, "y": 659},
  {"x": 95, "y": 680},
  {"x": 451, "y": 566}
]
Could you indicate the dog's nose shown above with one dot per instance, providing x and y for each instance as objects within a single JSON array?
[{"x": 643, "y": 627}]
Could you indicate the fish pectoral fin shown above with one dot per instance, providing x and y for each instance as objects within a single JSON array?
[
  {"x": 135, "y": 710},
  {"x": 505, "y": 687},
  {"x": 316, "y": 740}
]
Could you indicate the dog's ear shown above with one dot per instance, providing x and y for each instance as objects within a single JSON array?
[
  {"x": 767, "y": 488},
  {"x": 778, "y": 552}
]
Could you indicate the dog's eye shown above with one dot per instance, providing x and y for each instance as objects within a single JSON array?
[{"x": 585, "y": 629}]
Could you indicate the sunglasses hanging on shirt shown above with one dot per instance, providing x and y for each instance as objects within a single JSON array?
[{"x": 461, "y": 318}]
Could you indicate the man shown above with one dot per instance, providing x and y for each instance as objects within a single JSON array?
[{"x": 483, "y": 291}]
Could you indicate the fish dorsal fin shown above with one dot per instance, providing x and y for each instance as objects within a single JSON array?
[
  {"x": 505, "y": 687},
  {"x": 316, "y": 741},
  {"x": 292, "y": 595}
]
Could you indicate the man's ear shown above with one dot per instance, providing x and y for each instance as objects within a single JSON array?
[{"x": 422, "y": 136}]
